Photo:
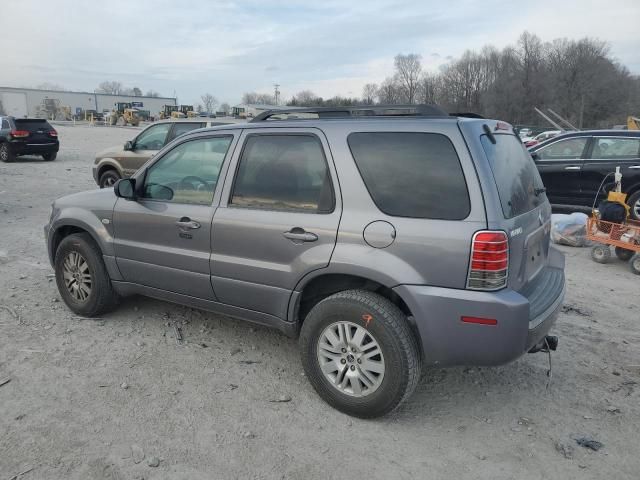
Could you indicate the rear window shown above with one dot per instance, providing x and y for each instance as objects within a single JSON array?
[
  {"x": 515, "y": 174},
  {"x": 32, "y": 124},
  {"x": 412, "y": 174}
]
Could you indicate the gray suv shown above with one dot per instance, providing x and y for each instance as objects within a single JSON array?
[{"x": 386, "y": 238}]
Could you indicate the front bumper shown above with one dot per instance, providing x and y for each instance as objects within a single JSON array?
[{"x": 522, "y": 321}]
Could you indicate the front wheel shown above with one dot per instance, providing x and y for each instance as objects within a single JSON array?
[
  {"x": 601, "y": 253},
  {"x": 49, "y": 157},
  {"x": 108, "y": 179},
  {"x": 82, "y": 278},
  {"x": 359, "y": 353},
  {"x": 634, "y": 264}
]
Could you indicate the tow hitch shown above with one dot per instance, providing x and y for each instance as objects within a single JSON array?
[{"x": 548, "y": 344}]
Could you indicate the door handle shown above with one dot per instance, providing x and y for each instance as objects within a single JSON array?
[
  {"x": 572, "y": 168},
  {"x": 634, "y": 167},
  {"x": 185, "y": 223},
  {"x": 300, "y": 235}
]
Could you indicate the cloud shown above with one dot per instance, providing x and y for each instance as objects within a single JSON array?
[{"x": 229, "y": 47}]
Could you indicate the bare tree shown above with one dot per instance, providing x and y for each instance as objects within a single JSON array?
[
  {"x": 152, "y": 93},
  {"x": 225, "y": 107},
  {"x": 51, "y": 86},
  {"x": 210, "y": 102},
  {"x": 389, "y": 92},
  {"x": 369, "y": 93},
  {"x": 110, "y": 87},
  {"x": 408, "y": 70},
  {"x": 258, "y": 98},
  {"x": 306, "y": 98},
  {"x": 136, "y": 92}
]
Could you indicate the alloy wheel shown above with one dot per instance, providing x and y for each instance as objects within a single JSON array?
[
  {"x": 351, "y": 359},
  {"x": 77, "y": 276}
]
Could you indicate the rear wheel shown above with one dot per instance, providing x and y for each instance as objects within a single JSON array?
[
  {"x": 624, "y": 254},
  {"x": 82, "y": 278},
  {"x": 359, "y": 353},
  {"x": 108, "y": 179},
  {"x": 5, "y": 153},
  {"x": 601, "y": 253},
  {"x": 634, "y": 264},
  {"x": 50, "y": 157},
  {"x": 121, "y": 122}
]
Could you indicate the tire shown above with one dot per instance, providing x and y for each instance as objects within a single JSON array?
[
  {"x": 5, "y": 153},
  {"x": 101, "y": 296},
  {"x": 634, "y": 202},
  {"x": 50, "y": 157},
  {"x": 624, "y": 254},
  {"x": 108, "y": 178},
  {"x": 601, "y": 253},
  {"x": 121, "y": 122},
  {"x": 634, "y": 264},
  {"x": 382, "y": 323}
]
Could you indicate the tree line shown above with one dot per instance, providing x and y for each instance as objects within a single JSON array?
[{"x": 579, "y": 79}]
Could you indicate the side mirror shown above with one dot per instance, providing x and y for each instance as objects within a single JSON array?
[
  {"x": 535, "y": 156},
  {"x": 125, "y": 188},
  {"x": 128, "y": 145}
]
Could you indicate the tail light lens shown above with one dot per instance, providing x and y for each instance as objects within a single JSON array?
[
  {"x": 19, "y": 133},
  {"x": 53, "y": 133},
  {"x": 489, "y": 263}
]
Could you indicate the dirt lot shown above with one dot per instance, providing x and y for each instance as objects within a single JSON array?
[{"x": 89, "y": 398}]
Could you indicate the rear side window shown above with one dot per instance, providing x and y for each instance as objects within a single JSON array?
[
  {"x": 5, "y": 124},
  {"x": 32, "y": 125},
  {"x": 182, "y": 128},
  {"x": 412, "y": 174},
  {"x": 515, "y": 173},
  {"x": 283, "y": 172},
  {"x": 616, "y": 148}
]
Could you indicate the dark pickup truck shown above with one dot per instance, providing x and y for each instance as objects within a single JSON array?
[
  {"x": 577, "y": 167},
  {"x": 27, "y": 136}
]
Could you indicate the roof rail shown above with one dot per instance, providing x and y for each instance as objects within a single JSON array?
[
  {"x": 359, "y": 111},
  {"x": 466, "y": 115}
]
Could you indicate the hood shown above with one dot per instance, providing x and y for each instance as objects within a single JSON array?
[
  {"x": 101, "y": 199},
  {"x": 110, "y": 152}
]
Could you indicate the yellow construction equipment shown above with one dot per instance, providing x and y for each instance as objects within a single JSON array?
[
  {"x": 171, "y": 111},
  {"x": 123, "y": 114},
  {"x": 633, "y": 123}
]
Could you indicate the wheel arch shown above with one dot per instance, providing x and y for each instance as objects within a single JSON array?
[{"x": 108, "y": 164}]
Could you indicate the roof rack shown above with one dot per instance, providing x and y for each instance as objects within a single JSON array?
[{"x": 359, "y": 111}]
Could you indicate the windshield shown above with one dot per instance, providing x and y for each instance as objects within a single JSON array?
[{"x": 519, "y": 184}]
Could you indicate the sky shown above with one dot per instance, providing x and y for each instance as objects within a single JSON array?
[{"x": 228, "y": 47}]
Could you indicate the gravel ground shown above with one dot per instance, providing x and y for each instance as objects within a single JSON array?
[{"x": 118, "y": 398}]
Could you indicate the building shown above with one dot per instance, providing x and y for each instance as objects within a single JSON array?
[
  {"x": 29, "y": 102},
  {"x": 249, "y": 110}
]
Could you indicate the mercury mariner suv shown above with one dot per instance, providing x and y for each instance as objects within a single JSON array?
[{"x": 385, "y": 238}]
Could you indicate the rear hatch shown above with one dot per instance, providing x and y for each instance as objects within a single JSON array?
[
  {"x": 40, "y": 131},
  {"x": 526, "y": 213}
]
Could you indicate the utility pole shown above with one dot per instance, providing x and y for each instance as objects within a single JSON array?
[{"x": 276, "y": 93}]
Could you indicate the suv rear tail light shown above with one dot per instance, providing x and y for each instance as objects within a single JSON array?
[
  {"x": 489, "y": 263},
  {"x": 53, "y": 133},
  {"x": 19, "y": 133}
]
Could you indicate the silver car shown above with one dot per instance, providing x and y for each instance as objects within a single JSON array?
[{"x": 386, "y": 238}]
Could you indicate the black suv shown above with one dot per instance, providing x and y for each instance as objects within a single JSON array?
[
  {"x": 27, "y": 136},
  {"x": 577, "y": 167}
]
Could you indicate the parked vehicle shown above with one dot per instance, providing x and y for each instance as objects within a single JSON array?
[
  {"x": 541, "y": 137},
  {"x": 577, "y": 167},
  {"x": 115, "y": 163},
  {"x": 386, "y": 237},
  {"x": 27, "y": 136}
]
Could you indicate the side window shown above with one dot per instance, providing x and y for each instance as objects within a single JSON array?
[
  {"x": 189, "y": 172},
  {"x": 283, "y": 172},
  {"x": 181, "y": 129},
  {"x": 412, "y": 174},
  {"x": 569, "y": 149},
  {"x": 5, "y": 124},
  {"x": 153, "y": 138},
  {"x": 616, "y": 148}
]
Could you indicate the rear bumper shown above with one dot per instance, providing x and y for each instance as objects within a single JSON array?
[
  {"x": 26, "y": 148},
  {"x": 522, "y": 321}
]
